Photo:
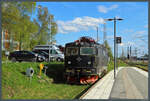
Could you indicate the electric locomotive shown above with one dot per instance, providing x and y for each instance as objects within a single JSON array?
[{"x": 85, "y": 61}]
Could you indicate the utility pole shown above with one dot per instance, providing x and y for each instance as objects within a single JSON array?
[
  {"x": 130, "y": 54},
  {"x": 114, "y": 47},
  {"x": 104, "y": 36},
  {"x": 136, "y": 53},
  {"x": 50, "y": 31},
  {"x": 97, "y": 33},
  {"x": 143, "y": 56},
  {"x": 122, "y": 53},
  {"x": 50, "y": 40}
]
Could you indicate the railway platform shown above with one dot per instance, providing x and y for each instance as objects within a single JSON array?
[{"x": 127, "y": 80}]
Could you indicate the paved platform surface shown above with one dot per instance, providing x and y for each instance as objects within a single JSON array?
[
  {"x": 102, "y": 88},
  {"x": 130, "y": 83}
]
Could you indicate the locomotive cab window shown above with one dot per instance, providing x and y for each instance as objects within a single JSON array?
[
  {"x": 87, "y": 51},
  {"x": 71, "y": 51}
]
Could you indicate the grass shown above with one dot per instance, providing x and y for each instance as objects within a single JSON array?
[
  {"x": 16, "y": 85},
  {"x": 141, "y": 65},
  {"x": 120, "y": 63}
]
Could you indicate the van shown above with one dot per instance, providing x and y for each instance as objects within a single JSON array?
[{"x": 52, "y": 50}]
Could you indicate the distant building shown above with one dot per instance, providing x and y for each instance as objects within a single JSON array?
[{"x": 7, "y": 42}]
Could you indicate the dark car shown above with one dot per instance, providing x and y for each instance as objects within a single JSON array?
[
  {"x": 25, "y": 56},
  {"x": 45, "y": 54}
]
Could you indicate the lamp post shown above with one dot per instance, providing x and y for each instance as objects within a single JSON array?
[{"x": 114, "y": 19}]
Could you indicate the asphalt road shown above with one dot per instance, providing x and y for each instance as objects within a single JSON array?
[{"x": 129, "y": 84}]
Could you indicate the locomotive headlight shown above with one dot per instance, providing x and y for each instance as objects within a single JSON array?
[
  {"x": 69, "y": 62},
  {"x": 89, "y": 62}
]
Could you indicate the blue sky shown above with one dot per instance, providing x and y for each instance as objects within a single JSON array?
[{"x": 76, "y": 19}]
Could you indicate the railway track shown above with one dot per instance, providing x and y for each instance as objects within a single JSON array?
[
  {"x": 142, "y": 68},
  {"x": 89, "y": 89},
  {"x": 138, "y": 66}
]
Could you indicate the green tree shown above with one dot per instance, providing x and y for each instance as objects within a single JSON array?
[
  {"x": 16, "y": 20},
  {"x": 47, "y": 26},
  {"x": 25, "y": 8},
  {"x": 10, "y": 17}
]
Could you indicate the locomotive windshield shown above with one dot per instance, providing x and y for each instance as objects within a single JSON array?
[
  {"x": 71, "y": 51},
  {"x": 87, "y": 51}
]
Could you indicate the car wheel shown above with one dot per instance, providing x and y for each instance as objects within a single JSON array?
[
  {"x": 13, "y": 59},
  {"x": 58, "y": 59},
  {"x": 39, "y": 59},
  {"x": 52, "y": 59}
]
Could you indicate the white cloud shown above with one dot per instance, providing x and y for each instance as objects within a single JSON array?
[
  {"x": 104, "y": 9},
  {"x": 79, "y": 24},
  {"x": 113, "y": 7}
]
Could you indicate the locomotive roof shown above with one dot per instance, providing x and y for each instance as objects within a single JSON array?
[{"x": 86, "y": 44}]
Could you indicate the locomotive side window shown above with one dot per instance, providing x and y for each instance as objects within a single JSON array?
[
  {"x": 87, "y": 51},
  {"x": 71, "y": 51}
]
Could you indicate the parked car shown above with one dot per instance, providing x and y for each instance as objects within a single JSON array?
[
  {"x": 25, "y": 56},
  {"x": 52, "y": 50},
  {"x": 43, "y": 54}
]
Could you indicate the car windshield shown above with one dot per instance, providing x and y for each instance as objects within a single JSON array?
[
  {"x": 58, "y": 51},
  {"x": 44, "y": 52},
  {"x": 71, "y": 51},
  {"x": 87, "y": 51}
]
